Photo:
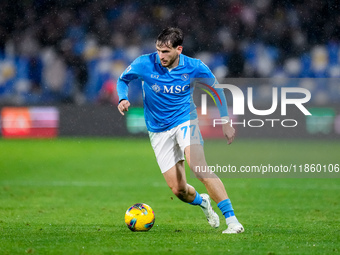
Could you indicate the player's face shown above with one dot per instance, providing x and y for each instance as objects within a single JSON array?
[{"x": 169, "y": 56}]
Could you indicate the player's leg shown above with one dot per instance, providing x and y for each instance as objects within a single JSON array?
[
  {"x": 176, "y": 180},
  {"x": 170, "y": 158},
  {"x": 181, "y": 135},
  {"x": 196, "y": 160}
]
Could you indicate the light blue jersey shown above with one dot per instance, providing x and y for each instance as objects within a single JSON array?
[{"x": 166, "y": 94}]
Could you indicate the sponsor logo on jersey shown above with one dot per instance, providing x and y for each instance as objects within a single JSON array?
[
  {"x": 156, "y": 88},
  {"x": 175, "y": 89}
]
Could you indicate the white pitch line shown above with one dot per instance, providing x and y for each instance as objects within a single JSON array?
[{"x": 58, "y": 183}]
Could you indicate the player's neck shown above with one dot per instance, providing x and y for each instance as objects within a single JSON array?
[
  {"x": 174, "y": 65},
  {"x": 170, "y": 68}
]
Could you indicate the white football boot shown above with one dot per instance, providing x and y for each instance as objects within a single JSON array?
[
  {"x": 234, "y": 228},
  {"x": 209, "y": 212}
]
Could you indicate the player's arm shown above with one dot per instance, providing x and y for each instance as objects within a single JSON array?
[
  {"x": 131, "y": 72},
  {"x": 228, "y": 130}
]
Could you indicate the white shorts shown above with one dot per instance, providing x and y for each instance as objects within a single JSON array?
[{"x": 169, "y": 145}]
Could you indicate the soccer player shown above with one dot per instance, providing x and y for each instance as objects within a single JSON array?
[{"x": 165, "y": 76}]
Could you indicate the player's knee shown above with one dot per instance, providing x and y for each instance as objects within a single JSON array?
[
  {"x": 204, "y": 177},
  {"x": 205, "y": 180}
]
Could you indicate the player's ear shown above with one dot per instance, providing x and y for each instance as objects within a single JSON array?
[{"x": 179, "y": 49}]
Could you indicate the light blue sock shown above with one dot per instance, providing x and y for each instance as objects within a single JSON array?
[
  {"x": 197, "y": 200},
  {"x": 226, "y": 208}
]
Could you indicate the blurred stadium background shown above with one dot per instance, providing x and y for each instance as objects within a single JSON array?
[
  {"x": 59, "y": 63},
  {"x": 69, "y": 54}
]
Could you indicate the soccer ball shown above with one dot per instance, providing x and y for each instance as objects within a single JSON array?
[{"x": 139, "y": 217}]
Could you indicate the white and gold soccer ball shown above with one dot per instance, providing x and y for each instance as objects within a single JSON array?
[{"x": 139, "y": 217}]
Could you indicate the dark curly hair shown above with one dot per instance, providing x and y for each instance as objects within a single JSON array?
[{"x": 170, "y": 37}]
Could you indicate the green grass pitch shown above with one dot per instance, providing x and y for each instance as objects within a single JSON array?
[{"x": 69, "y": 196}]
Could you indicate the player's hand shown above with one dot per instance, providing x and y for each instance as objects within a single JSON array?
[
  {"x": 229, "y": 132},
  {"x": 123, "y": 106}
]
